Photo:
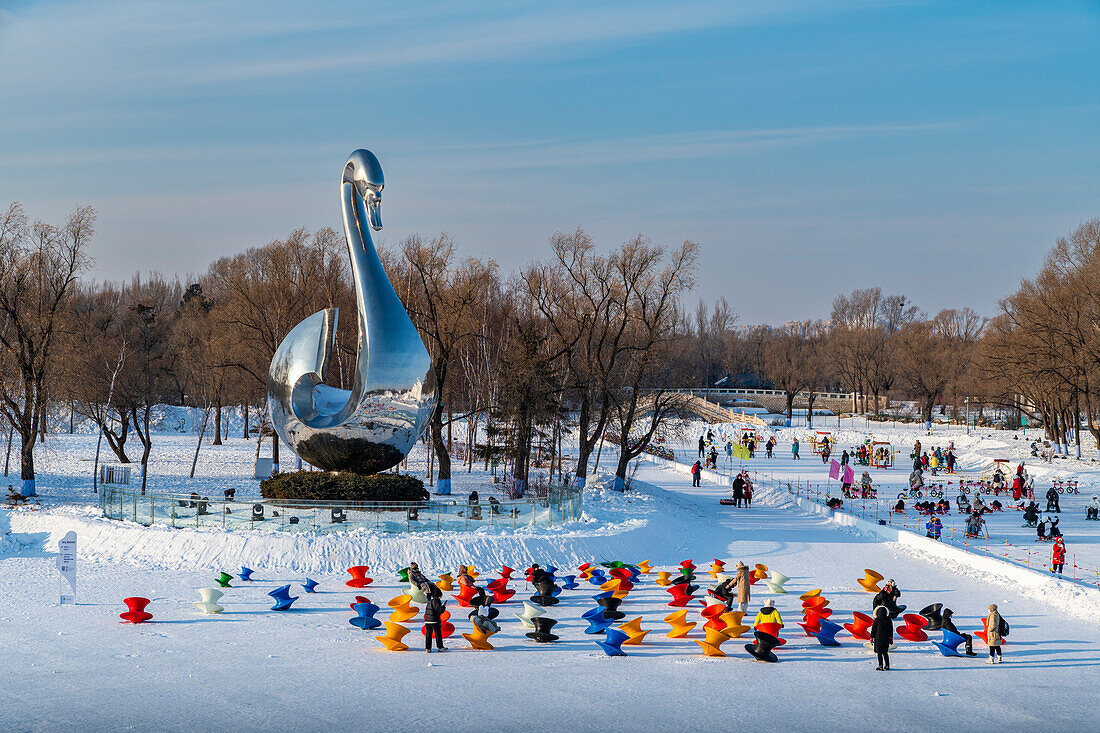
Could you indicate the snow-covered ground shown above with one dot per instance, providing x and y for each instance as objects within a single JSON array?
[{"x": 251, "y": 668}]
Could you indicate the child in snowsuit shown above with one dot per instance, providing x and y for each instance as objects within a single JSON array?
[
  {"x": 726, "y": 591},
  {"x": 1031, "y": 514},
  {"x": 416, "y": 578},
  {"x": 768, "y": 614},
  {"x": 1058, "y": 556},
  {"x": 934, "y": 527}
]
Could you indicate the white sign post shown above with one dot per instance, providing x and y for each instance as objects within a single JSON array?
[{"x": 66, "y": 564}]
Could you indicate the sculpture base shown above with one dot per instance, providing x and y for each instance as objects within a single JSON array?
[
  {"x": 343, "y": 486},
  {"x": 357, "y": 455}
]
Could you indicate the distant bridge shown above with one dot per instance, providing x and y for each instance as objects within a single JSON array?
[
  {"x": 775, "y": 401},
  {"x": 711, "y": 412}
]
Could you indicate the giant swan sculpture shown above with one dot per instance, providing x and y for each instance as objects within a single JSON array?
[{"x": 373, "y": 426}]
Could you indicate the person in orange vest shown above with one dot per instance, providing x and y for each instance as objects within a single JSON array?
[{"x": 1058, "y": 556}]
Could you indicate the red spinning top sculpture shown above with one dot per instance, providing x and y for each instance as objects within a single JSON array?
[{"x": 136, "y": 613}]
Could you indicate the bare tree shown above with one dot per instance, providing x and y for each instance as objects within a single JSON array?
[
  {"x": 261, "y": 294},
  {"x": 785, "y": 365},
  {"x": 651, "y": 297},
  {"x": 92, "y": 358},
  {"x": 931, "y": 354},
  {"x": 39, "y": 265},
  {"x": 443, "y": 301}
]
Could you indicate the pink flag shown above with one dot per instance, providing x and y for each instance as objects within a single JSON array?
[
  {"x": 849, "y": 475},
  {"x": 834, "y": 469}
]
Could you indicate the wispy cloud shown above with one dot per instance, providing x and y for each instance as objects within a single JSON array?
[
  {"x": 497, "y": 155},
  {"x": 198, "y": 43},
  {"x": 678, "y": 146}
]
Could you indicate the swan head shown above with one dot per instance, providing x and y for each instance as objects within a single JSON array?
[{"x": 365, "y": 173}]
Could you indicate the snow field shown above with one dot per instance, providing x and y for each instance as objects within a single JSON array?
[
  {"x": 254, "y": 668},
  {"x": 251, "y": 668}
]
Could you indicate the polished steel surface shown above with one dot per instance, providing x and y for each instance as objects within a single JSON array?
[{"x": 373, "y": 426}]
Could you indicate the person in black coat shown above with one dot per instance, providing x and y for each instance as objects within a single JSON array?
[
  {"x": 888, "y": 598},
  {"x": 727, "y": 592},
  {"x": 950, "y": 626},
  {"x": 433, "y": 620},
  {"x": 738, "y": 490},
  {"x": 1031, "y": 514},
  {"x": 882, "y": 635},
  {"x": 542, "y": 580},
  {"x": 538, "y": 575},
  {"x": 1052, "y": 500}
]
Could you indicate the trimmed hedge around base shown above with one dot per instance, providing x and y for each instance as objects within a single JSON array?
[{"x": 351, "y": 487}]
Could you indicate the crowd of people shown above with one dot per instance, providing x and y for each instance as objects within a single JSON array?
[
  {"x": 749, "y": 442},
  {"x": 933, "y": 460},
  {"x": 885, "y": 609},
  {"x": 737, "y": 591}
]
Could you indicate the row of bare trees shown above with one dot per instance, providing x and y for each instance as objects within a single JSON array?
[
  {"x": 515, "y": 358},
  {"x": 584, "y": 344}
]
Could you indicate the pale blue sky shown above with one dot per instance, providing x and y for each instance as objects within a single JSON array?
[{"x": 932, "y": 148}]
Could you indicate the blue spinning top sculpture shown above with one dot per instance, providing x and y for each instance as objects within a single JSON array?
[
  {"x": 283, "y": 599},
  {"x": 597, "y": 622},
  {"x": 375, "y": 424},
  {"x": 365, "y": 618},
  {"x": 612, "y": 643}
]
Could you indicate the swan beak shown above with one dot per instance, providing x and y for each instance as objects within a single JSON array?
[{"x": 374, "y": 212}]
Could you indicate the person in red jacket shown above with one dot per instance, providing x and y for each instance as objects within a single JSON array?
[
  {"x": 696, "y": 473},
  {"x": 1017, "y": 487},
  {"x": 1058, "y": 556}
]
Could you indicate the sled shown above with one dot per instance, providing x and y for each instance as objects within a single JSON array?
[{"x": 726, "y": 502}]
